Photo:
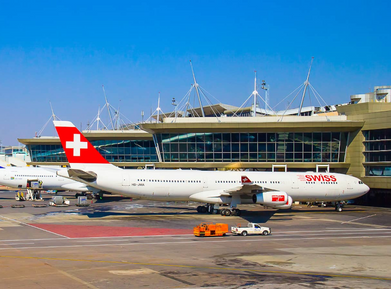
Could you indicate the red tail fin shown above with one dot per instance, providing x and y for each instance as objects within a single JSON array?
[{"x": 77, "y": 148}]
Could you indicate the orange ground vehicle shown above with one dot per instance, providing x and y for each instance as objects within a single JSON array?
[{"x": 210, "y": 230}]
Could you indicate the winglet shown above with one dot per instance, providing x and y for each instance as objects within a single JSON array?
[
  {"x": 77, "y": 148},
  {"x": 246, "y": 180}
]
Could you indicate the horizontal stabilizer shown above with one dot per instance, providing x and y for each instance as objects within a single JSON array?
[{"x": 83, "y": 175}]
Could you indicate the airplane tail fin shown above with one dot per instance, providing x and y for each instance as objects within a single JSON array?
[
  {"x": 246, "y": 180},
  {"x": 81, "y": 154}
]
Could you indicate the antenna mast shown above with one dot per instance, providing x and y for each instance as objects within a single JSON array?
[
  {"x": 196, "y": 87},
  {"x": 306, "y": 83}
]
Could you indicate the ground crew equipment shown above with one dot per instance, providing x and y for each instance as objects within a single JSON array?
[{"x": 210, "y": 230}]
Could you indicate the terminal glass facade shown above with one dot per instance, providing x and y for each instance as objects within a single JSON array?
[
  {"x": 378, "y": 150},
  {"x": 112, "y": 150},
  {"x": 253, "y": 147}
]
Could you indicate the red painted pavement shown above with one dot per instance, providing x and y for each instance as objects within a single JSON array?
[{"x": 78, "y": 231}]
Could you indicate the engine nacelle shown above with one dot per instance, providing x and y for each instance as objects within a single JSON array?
[
  {"x": 286, "y": 206},
  {"x": 273, "y": 199}
]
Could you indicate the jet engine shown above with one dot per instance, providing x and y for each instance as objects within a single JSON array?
[
  {"x": 273, "y": 199},
  {"x": 288, "y": 204}
]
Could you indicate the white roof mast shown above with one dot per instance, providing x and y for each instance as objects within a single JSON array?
[
  {"x": 196, "y": 88},
  {"x": 305, "y": 87},
  {"x": 255, "y": 93}
]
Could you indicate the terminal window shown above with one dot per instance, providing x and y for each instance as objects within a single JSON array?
[
  {"x": 253, "y": 147},
  {"x": 111, "y": 150},
  {"x": 377, "y": 151}
]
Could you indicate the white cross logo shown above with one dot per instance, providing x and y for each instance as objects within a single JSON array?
[{"x": 76, "y": 145}]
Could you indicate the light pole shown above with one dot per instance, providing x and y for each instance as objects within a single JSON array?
[
  {"x": 266, "y": 89},
  {"x": 173, "y": 102}
]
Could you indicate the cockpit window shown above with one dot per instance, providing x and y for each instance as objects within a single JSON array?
[{"x": 360, "y": 182}]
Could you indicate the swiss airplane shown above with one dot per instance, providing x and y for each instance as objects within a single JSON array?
[
  {"x": 272, "y": 189},
  {"x": 17, "y": 177}
]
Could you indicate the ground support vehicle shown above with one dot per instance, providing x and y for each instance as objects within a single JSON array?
[
  {"x": 59, "y": 201},
  {"x": 210, "y": 230},
  {"x": 251, "y": 229}
]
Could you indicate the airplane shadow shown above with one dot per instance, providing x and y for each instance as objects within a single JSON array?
[
  {"x": 106, "y": 209},
  {"x": 257, "y": 216},
  {"x": 109, "y": 211},
  {"x": 112, "y": 199},
  {"x": 93, "y": 215}
]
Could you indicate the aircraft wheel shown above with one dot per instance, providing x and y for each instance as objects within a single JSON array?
[
  {"x": 227, "y": 212},
  {"x": 338, "y": 207},
  {"x": 199, "y": 209},
  {"x": 222, "y": 212},
  {"x": 204, "y": 209}
]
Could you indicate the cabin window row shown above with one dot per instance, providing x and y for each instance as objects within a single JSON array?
[
  {"x": 169, "y": 181},
  {"x": 35, "y": 176}
]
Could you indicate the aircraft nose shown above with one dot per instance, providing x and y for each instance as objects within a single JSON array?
[{"x": 367, "y": 189}]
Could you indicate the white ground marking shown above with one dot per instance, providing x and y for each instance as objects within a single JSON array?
[
  {"x": 358, "y": 219},
  {"x": 133, "y": 272},
  {"x": 23, "y": 240},
  {"x": 232, "y": 240},
  {"x": 19, "y": 222},
  {"x": 347, "y": 231},
  {"x": 334, "y": 230}
]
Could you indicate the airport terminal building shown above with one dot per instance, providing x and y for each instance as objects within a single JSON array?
[{"x": 353, "y": 138}]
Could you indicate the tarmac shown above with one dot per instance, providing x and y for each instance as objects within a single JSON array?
[{"x": 123, "y": 243}]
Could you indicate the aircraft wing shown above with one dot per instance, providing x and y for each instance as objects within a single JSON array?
[
  {"x": 246, "y": 189},
  {"x": 224, "y": 195}
]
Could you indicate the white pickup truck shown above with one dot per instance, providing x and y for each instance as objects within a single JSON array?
[{"x": 251, "y": 229}]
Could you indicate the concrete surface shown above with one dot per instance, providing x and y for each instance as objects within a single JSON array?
[{"x": 119, "y": 243}]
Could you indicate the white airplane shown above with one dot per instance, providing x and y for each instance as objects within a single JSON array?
[
  {"x": 18, "y": 177},
  {"x": 272, "y": 189}
]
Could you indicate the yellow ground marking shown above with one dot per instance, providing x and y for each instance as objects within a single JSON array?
[
  {"x": 198, "y": 267},
  {"x": 77, "y": 279}
]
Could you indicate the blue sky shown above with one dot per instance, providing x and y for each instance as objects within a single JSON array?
[{"x": 64, "y": 52}]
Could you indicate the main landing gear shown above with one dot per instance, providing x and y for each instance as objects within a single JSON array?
[
  {"x": 214, "y": 209},
  {"x": 230, "y": 212},
  {"x": 339, "y": 206},
  {"x": 202, "y": 209}
]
